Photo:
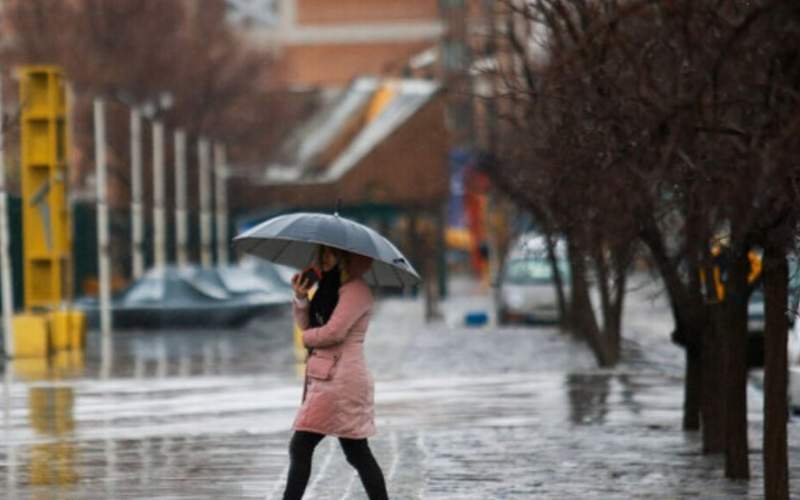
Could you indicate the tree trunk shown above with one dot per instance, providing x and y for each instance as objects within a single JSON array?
[
  {"x": 776, "y": 298},
  {"x": 613, "y": 327},
  {"x": 693, "y": 382},
  {"x": 713, "y": 404},
  {"x": 610, "y": 354},
  {"x": 692, "y": 388},
  {"x": 583, "y": 318},
  {"x": 557, "y": 279},
  {"x": 737, "y": 465},
  {"x": 686, "y": 331}
]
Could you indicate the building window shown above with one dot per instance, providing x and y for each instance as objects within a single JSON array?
[{"x": 253, "y": 13}]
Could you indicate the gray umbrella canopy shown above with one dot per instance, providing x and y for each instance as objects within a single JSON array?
[{"x": 294, "y": 239}]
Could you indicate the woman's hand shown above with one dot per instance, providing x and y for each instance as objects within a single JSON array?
[{"x": 301, "y": 286}]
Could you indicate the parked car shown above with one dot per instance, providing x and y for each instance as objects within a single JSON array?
[
  {"x": 755, "y": 315},
  {"x": 525, "y": 290},
  {"x": 755, "y": 331},
  {"x": 793, "y": 349},
  {"x": 195, "y": 297}
]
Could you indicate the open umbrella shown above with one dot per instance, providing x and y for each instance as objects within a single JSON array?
[{"x": 293, "y": 240}]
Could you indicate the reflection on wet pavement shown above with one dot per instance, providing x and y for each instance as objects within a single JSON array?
[
  {"x": 151, "y": 421},
  {"x": 588, "y": 396},
  {"x": 462, "y": 414}
]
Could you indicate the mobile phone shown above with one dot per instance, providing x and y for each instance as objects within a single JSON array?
[{"x": 310, "y": 276}]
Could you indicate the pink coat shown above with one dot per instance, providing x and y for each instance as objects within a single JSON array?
[{"x": 339, "y": 391}]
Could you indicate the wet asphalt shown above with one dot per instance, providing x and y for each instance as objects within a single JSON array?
[{"x": 462, "y": 413}]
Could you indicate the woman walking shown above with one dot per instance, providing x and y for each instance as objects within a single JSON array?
[{"x": 338, "y": 392}]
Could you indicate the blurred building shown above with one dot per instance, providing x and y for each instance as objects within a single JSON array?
[
  {"x": 322, "y": 43},
  {"x": 378, "y": 141},
  {"x": 394, "y": 93}
]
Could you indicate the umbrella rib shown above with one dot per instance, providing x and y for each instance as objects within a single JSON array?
[
  {"x": 285, "y": 246},
  {"x": 246, "y": 246},
  {"x": 399, "y": 278},
  {"x": 253, "y": 245},
  {"x": 374, "y": 274}
]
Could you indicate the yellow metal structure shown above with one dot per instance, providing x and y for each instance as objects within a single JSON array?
[
  {"x": 46, "y": 224},
  {"x": 31, "y": 336},
  {"x": 60, "y": 330},
  {"x": 45, "y": 213},
  {"x": 77, "y": 329}
]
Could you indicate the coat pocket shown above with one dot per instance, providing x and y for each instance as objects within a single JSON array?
[{"x": 320, "y": 365}]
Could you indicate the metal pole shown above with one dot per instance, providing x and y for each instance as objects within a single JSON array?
[
  {"x": 181, "y": 227},
  {"x": 221, "y": 179},
  {"x": 159, "y": 222},
  {"x": 203, "y": 155},
  {"x": 137, "y": 211},
  {"x": 5, "y": 260},
  {"x": 102, "y": 219}
]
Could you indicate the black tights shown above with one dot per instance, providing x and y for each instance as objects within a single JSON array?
[{"x": 301, "y": 449}]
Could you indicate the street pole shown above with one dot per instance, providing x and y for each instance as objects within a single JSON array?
[
  {"x": 221, "y": 180},
  {"x": 159, "y": 223},
  {"x": 456, "y": 60},
  {"x": 203, "y": 155},
  {"x": 137, "y": 211},
  {"x": 5, "y": 260},
  {"x": 102, "y": 219},
  {"x": 181, "y": 224}
]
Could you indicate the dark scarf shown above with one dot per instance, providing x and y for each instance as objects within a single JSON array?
[{"x": 325, "y": 298}]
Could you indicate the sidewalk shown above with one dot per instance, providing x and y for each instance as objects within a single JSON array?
[{"x": 462, "y": 413}]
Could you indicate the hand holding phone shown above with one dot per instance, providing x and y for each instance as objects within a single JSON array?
[
  {"x": 303, "y": 281},
  {"x": 310, "y": 276}
]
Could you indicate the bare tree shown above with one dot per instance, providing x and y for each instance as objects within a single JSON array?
[
  {"x": 136, "y": 52},
  {"x": 668, "y": 122}
]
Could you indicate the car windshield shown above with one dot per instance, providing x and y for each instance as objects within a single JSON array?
[{"x": 530, "y": 272}]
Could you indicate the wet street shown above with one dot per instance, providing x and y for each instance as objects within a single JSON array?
[{"x": 462, "y": 413}]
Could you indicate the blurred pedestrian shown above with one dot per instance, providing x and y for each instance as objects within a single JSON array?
[{"x": 338, "y": 391}]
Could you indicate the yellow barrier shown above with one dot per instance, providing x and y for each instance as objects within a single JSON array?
[
  {"x": 77, "y": 333},
  {"x": 68, "y": 328},
  {"x": 31, "y": 336},
  {"x": 38, "y": 335},
  {"x": 29, "y": 369},
  {"x": 60, "y": 330}
]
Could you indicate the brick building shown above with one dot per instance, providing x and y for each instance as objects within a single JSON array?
[
  {"x": 322, "y": 43},
  {"x": 401, "y": 182}
]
